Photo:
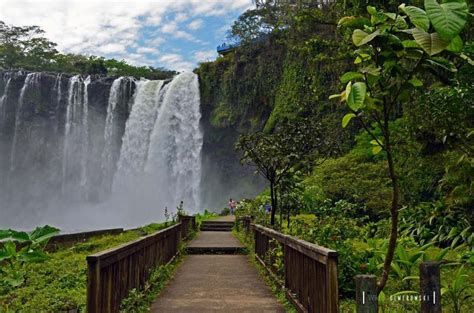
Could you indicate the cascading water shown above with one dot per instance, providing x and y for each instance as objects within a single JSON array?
[
  {"x": 65, "y": 139},
  {"x": 174, "y": 157},
  {"x": 107, "y": 165},
  {"x": 3, "y": 99},
  {"x": 137, "y": 133},
  {"x": 31, "y": 81}
]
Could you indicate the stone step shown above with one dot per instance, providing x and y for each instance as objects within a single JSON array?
[
  {"x": 215, "y": 228},
  {"x": 216, "y": 250},
  {"x": 231, "y": 224}
]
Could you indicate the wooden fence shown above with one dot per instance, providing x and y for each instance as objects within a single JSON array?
[
  {"x": 310, "y": 271},
  {"x": 113, "y": 273}
]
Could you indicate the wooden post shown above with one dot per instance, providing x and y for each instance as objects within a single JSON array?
[
  {"x": 93, "y": 285},
  {"x": 247, "y": 221},
  {"x": 188, "y": 223},
  {"x": 332, "y": 285},
  {"x": 366, "y": 294},
  {"x": 430, "y": 287}
]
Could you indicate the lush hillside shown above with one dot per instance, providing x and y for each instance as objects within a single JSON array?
[{"x": 288, "y": 64}]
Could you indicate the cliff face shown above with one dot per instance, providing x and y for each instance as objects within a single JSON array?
[
  {"x": 258, "y": 86},
  {"x": 33, "y": 116}
]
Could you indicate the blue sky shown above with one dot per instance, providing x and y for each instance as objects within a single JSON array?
[{"x": 176, "y": 34}]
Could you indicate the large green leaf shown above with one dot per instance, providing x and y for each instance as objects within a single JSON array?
[
  {"x": 347, "y": 118},
  {"x": 448, "y": 18},
  {"x": 19, "y": 236},
  {"x": 347, "y": 77},
  {"x": 417, "y": 16},
  {"x": 359, "y": 37},
  {"x": 42, "y": 234},
  {"x": 356, "y": 97},
  {"x": 353, "y": 22},
  {"x": 440, "y": 64},
  {"x": 455, "y": 45},
  {"x": 431, "y": 43}
]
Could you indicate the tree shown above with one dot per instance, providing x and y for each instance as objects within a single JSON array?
[
  {"x": 274, "y": 155},
  {"x": 24, "y": 47},
  {"x": 395, "y": 51}
]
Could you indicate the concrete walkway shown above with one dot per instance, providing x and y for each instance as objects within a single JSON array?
[{"x": 216, "y": 282}]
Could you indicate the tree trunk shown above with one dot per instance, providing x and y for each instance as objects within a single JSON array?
[
  {"x": 394, "y": 220},
  {"x": 288, "y": 221},
  {"x": 272, "y": 196}
]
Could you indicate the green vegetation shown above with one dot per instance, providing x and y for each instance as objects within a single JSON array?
[
  {"x": 274, "y": 155},
  {"x": 20, "y": 248},
  {"x": 140, "y": 300},
  {"x": 26, "y": 48},
  {"x": 397, "y": 188},
  {"x": 59, "y": 282},
  {"x": 391, "y": 58}
]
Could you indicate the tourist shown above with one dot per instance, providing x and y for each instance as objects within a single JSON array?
[
  {"x": 230, "y": 205},
  {"x": 234, "y": 206}
]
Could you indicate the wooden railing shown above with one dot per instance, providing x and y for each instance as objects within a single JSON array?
[
  {"x": 188, "y": 225},
  {"x": 310, "y": 271},
  {"x": 113, "y": 273}
]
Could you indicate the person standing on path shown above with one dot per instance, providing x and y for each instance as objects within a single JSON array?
[{"x": 230, "y": 204}]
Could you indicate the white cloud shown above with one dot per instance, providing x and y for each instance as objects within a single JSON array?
[
  {"x": 143, "y": 50},
  {"x": 196, "y": 24},
  {"x": 172, "y": 28},
  {"x": 112, "y": 48},
  {"x": 176, "y": 61},
  {"x": 115, "y": 28},
  {"x": 207, "y": 55}
]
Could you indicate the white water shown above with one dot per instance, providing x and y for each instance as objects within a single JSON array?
[
  {"x": 31, "y": 81},
  {"x": 3, "y": 100},
  {"x": 76, "y": 138},
  {"x": 136, "y": 139},
  {"x": 153, "y": 160},
  {"x": 57, "y": 87},
  {"x": 107, "y": 165},
  {"x": 174, "y": 158}
]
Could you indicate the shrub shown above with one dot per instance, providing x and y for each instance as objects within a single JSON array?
[{"x": 357, "y": 181}]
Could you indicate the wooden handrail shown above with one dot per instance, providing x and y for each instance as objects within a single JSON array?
[
  {"x": 310, "y": 271},
  {"x": 114, "y": 272}
]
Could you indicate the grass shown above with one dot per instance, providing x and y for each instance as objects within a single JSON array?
[
  {"x": 59, "y": 284},
  {"x": 206, "y": 215}
]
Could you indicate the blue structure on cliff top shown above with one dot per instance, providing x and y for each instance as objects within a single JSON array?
[{"x": 226, "y": 48}]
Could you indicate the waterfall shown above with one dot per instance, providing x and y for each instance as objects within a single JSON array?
[
  {"x": 163, "y": 141},
  {"x": 78, "y": 156},
  {"x": 57, "y": 87},
  {"x": 31, "y": 81},
  {"x": 137, "y": 132},
  {"x": 108, "y": 154},
  {"x": 3, "y": 100},
  {"x": 76, "y": 136},
  {"x": 174, "y": 157},
  {"x": 85, "y": 133}
]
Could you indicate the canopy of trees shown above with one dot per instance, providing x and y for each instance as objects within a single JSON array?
[{"x": 26, "y": 48}]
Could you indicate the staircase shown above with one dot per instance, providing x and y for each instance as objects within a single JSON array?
[
  {"x": 216, "y": 238},
  {"x": 217, "y": 226}
]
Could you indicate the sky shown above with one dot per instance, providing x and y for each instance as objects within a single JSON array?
[{"x": 175, "y": 34}]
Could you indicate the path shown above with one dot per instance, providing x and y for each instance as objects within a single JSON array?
[{"x": 214, "y": 279}]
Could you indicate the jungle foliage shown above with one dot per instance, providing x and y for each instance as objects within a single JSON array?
[{"x": 406, "y": 72}]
